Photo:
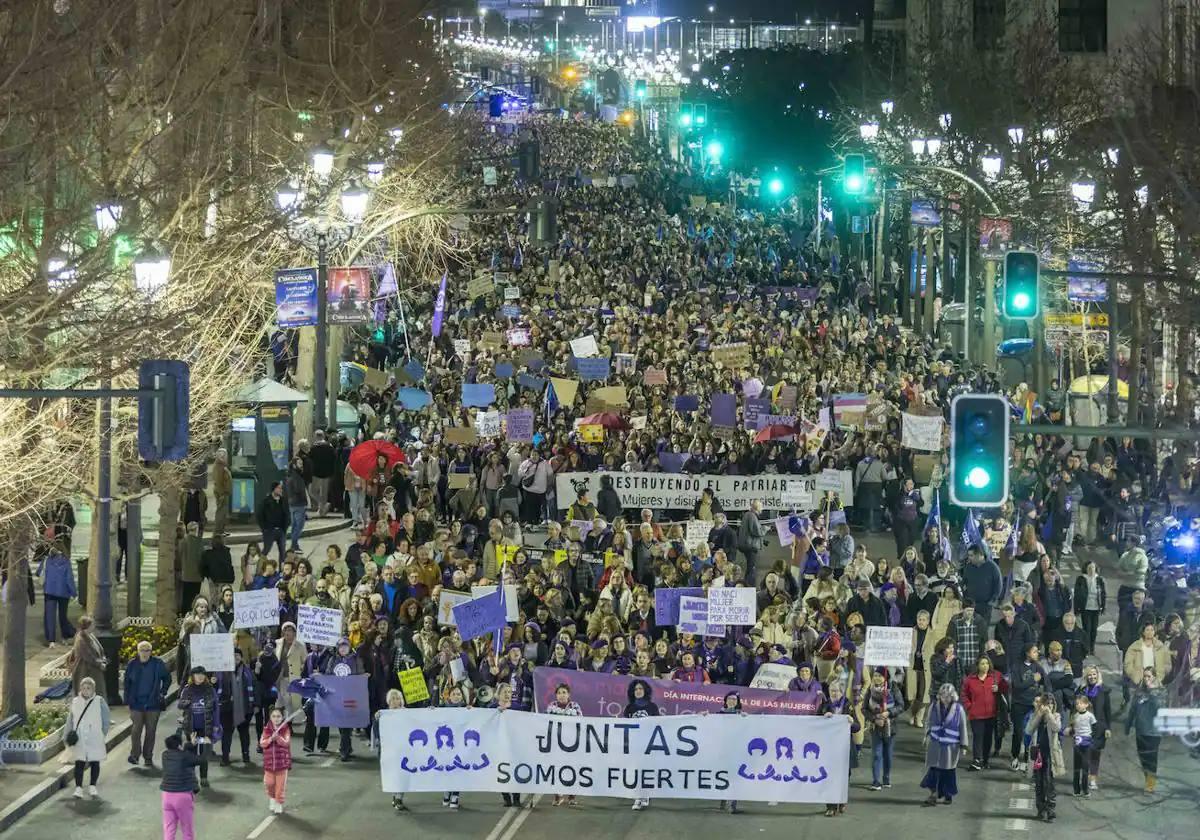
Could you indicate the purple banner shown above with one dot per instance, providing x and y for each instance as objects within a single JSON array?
[
  {"x": 345, "y": 704},
  {"x": 666, "y": 603},
  {"x": 723, "y": 411},
  {"x": 606, "y": 695},
  {"x": 439, "y": 308}
]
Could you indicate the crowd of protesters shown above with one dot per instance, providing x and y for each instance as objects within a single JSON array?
[{"x": 1006, "y": 639}]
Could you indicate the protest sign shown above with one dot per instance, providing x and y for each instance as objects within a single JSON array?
[
  {"x": 530, "y": 382},
  {"x": 654, "y": 376},
  {"x": 752, "y": 387},
  {"x": 512, "y": 293},
  {"x": 685, "y": 403},
  {"x": 510, "y": 310},
  {"x": 924, "y": 433},
  {"x": 458, "y": 671},
  {"x": 447, "y": 601},
  {"x": 889, "y": 646},
  {"x": 565, "y": 390},
  {"x": 458, "y": 480},
  {"x": 584, "y": 347},
  {"x": 732, "y": 605},
  {"x": 477, "y": 395},
  {"x": 492, "y": 341},
  {"x": 479, "y": 285},
  {"x": 849, "y": 410},
  {"x": 591, "y": 433},
  {"x": 756, "y": 409},
  {"x": 553, "y": 272},
  {"x": 375, "y": 378},
  {"x": 678, "y": 491},
  {"x": 413, "y": 686},
  {"x": 876, "y": 415},
  {"x": 592, "y": 370},
  {"x": 462, "y": 347},
  {"x": 723, "y": 410},
  {"x": 212, "y": 651},
  {"x": 413, "y": 399},
  {"x": 613, "y": 395},
  {"x": 256, "y": 608},
  {"x": 786, "y": 537},
  {"x": 735, "y": 355},
  {"x": 696, "y": 533},
  {"x": 638, "y": 423},
  {"x": 318, "y": 625},
  {"x": 684, "y": 757},
  {"x": 519, "y": 424},
  {"x": 414, "y": 370},
  {"x": 787, "y": 398},
  {"x": 518, "y": 337},
  {"x": 460, "y": 435},
  {"x": 625, "y": 363},
  {"x": 345, "y": 703},
  {"x": 835, "y": 480},
  {"x": 693, "y": 616},
  {"x": 487, "y": 424},
  {"x": 479, "y": 616},
  {"x": 772, "y": 676},
  {"x": 295, "y": 297},
  {"x": 666, "y": 602},
  {"x": 511, "y": 605},
  {"x": 489, "y": 176},
  {"x": 504, "y": 370}
]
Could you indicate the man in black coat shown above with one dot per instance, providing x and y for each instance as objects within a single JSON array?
[
  {"x": 723, "y": 537},
  {"x": 921, "y": 598},
  {"x": 1014, "y": 635},
  {"x": 216, "y": 563},
  {"x": 273, "y": 518},
  {"x": 867, "y": 604},
  {"x": 324, "y": 464}
]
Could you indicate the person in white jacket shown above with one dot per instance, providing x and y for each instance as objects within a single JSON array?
[{"x": 89, "y": 720}]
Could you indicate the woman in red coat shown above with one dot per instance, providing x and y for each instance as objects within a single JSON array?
[
  {"x": 980, "y": 692},
  {"x": 276, "y": 743}
]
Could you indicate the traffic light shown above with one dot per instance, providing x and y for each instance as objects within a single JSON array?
[
  {"x": 640, "y": 89},
  {"x": 979, "y": 450},
  {"x": 701, "y": 116},
  {"x": 775, "y": 186},
  {"x": 163, "y": 416},
  {"x": 1021, "y": 298},
  {"x": 687, "y": 114},
  {"x": 714, "y": 150},
  {"x": 854, "y": 174},
  {"x": 543, "y": 221},
  {"x": 529, "y": 160}
]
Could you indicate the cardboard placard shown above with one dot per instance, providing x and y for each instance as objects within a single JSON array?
[
  {"x": 735, "y": 355},
  {"x": 614, "y": 395},
  {"x": 413, "y": 686},
  {"x": 460, "y": 435},
  {"x": 458, "y": 481}
]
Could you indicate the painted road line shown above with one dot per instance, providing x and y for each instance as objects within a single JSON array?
[
  {"x": 501, "y": 824},
  {"x": 1017, "y": 824},
  {"x": 1020, "y": 804},
  {"x": 326, "y": 763},
  {"x": 520, "y": 820},
  {"x": 261, "y": 827},
  {"x": 1020, "y": 786}
]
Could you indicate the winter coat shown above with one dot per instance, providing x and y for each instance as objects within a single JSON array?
[
  {"x": 58, "y": 580},
  {"x": 1015, "y": 639},
  {"x": 950, "y": 726},
  {"x": 1133, "y": 662},
  {"x": 146, "y": 684},
  {"x": 977, "y": 696},
  {"x": 750, "y": 534},
  {"x": 1053, "y": 724},
  {"x": 276, "y": 748},
  {"x": 91, "y": 726},
  {"x": 1142, "y": 710},
  {"x": 202, "y": 698},
  {"x": 86, "y": 659},
  {"x": 178, "y": 771}
]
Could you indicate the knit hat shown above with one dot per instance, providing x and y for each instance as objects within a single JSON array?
[
  {"x": 779, "y": 648},
  {"x": 599, "y": 644},
  {"x": 744, "y": 641},
  {"x": 807, "y": 665}
]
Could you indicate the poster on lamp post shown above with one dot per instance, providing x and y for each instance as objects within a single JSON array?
[
  {"x": 296, "y": 297},
  {"x": 349, "y": 295}
]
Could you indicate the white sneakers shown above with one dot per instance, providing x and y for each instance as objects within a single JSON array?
[
  {"x": 78, "y": 794},
  {"x": 276, "y": 807},
  {"x": 92, "y": 792}
]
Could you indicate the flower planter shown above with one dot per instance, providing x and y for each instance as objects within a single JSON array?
[
  {"x": 56, "y": 670},
  {"x": 34, "y": 752}
]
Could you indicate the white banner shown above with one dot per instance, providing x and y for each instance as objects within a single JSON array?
[
  {"x": 924, "y": 433},
  {"x": 211, "y": 651},
  {"x": 752, "y": 758},
  {"x": 511, "y": 599},
  {"x": 447, "y": 601},
  {"x": 732, "y": 605},
  {"x": 584, "y": 347},
  {"x": 318, "y": 625},
  {"x": 256, "y": 608},
  {"x": 777, "y": 677},
  {"x": 678, "y": 491},
  {"x": 889, "y": 646}
]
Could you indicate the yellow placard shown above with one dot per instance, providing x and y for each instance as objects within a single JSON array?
[
  {"x": 560, "y": 556},
  {"x": 611, "y": 558},
  {"x": 413, "y": 686},
  {"x": 565, "y": 390},
  {"x": 505, "y": 553},
  {"x": 591, "y": 433}
]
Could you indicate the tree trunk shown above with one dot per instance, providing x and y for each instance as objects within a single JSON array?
[
  {"x": 19, "y": 535},
  {"x": 1137, "y": 293},
  {"x": 165, "y": 592}
]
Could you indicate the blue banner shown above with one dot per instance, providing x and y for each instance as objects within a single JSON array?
[{"x": 296, "y": 297}]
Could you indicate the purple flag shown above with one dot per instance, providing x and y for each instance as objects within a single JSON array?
[
  {"x": 345, "y": 702},
  {"x": 439, "y": 308},
  {"x": 485, "y": 614},
  {"x": 723, "y": 410}
]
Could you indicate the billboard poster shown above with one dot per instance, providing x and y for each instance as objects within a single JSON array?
[
  {"x": 924, "y": 213},
  {"x": 1085, "y": 289},
  {"x": 296, "y": 297},
  {"x": 349, "y": 296}
]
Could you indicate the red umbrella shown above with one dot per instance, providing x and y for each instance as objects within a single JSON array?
[
  {"x": 607, "y": 419},
  {"x": 363, "y": 456},
  {"x": 776, "y": 431}
]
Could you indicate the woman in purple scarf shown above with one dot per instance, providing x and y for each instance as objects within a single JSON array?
[
  {"x": 838, "y": 704},
  {"x": 809, "y": 689}
]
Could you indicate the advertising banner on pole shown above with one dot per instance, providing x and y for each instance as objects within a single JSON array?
[
  {"x": 349, "y": 295},
  {"x": 296, "y": 297}
]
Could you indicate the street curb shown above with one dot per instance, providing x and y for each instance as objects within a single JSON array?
[
  {"x": 312, "y": 528},
  {"x": 45, "y": 789}
]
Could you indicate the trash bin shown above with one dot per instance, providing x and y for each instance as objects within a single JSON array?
[{"x": 81, "y": 580}]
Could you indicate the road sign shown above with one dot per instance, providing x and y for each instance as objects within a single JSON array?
[{"x": 1075, "y": 319}]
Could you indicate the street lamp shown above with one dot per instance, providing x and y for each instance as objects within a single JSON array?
[
  {"x": 375, "y": 171},
  {"x": 945, "y": 120},
  {"x": 354, "y": 204},
  {"x": 869, "y": 130},
  {"x": 918, "y": 146},
  {"x": 287, "y": 196},
  {"x": 322, "y": 162},
  {"x": 108, "y": 216},
  {"x": 991, "y": 165},
  {"x": 933, "y": 145},
  {"x": 887, "y": 106},
  {"x": 59, "y": 272},
  {"x": 151, "y": 270},
  {"x": 1113, "y": 156},
  {"x": 1016, "y": 134}
]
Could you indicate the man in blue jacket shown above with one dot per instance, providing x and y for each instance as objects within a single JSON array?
[
  {"x": 147, "y": 681},
  {"x": 982, "y": 582}
]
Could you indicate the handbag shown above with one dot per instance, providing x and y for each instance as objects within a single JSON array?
[{"x": 73, "y": 736}]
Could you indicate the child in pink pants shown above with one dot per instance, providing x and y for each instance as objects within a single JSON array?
[{"x": 276, "y": 743}]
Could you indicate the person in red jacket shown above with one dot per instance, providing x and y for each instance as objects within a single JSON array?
[
  {"x": 276, "y": 743},
  {"x": 980, "y": 692}
]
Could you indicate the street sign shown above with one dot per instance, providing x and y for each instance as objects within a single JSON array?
[{"x": 1075, "y": 319}]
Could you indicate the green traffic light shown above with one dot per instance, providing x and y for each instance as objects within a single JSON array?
[
  {"x": 1020, "y": 301},
  {"x": 715, "y": 149},
  {"x": 775, "y": 186},
  {"x": 685, "y": 120},
  {"x": 854, "y": 184},
  {"x": 700, "y": 119},
  {"x": 978, "y": 478}
]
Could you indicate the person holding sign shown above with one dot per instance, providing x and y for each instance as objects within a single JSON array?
[{"x": 198, "y": 710}]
